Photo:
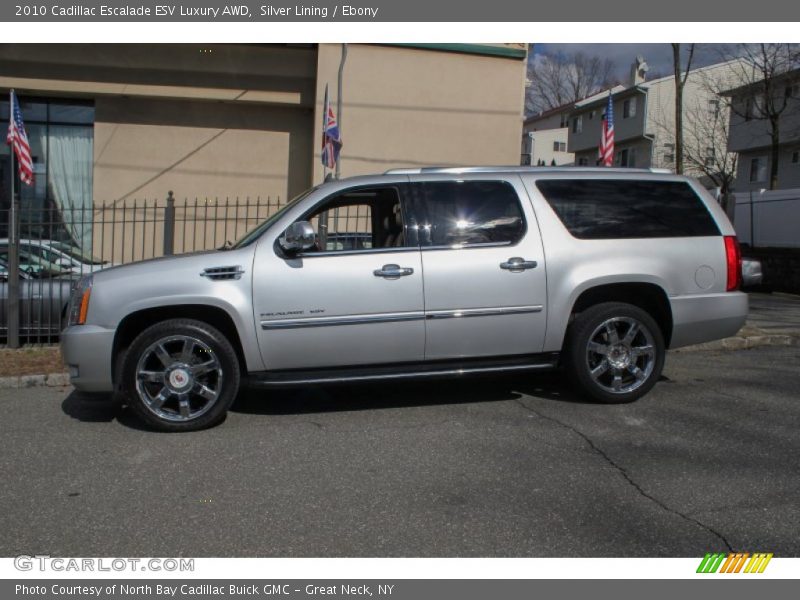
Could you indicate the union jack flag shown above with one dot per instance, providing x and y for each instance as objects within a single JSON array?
[
  {"x": 18, "y": 140},
  {"x": 607, "y": 135},
  {"x": 331, "y": 138}
]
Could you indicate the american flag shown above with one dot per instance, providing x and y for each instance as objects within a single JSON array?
[
  {"x": 18, "y": 140},
  {"x": 331, "y": 139},
  {"x": 607, "y": 135}
]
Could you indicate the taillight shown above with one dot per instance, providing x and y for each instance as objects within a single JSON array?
[{"x": 733, "y": 258}]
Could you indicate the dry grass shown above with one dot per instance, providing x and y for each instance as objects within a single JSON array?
[{"x": 30, "y": 361}]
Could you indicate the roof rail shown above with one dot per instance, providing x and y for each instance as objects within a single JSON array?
[{"x": 519, "y": 169}]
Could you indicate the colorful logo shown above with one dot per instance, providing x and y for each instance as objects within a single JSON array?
[{"x": 735, "y": 562}]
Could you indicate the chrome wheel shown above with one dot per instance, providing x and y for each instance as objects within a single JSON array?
[
  {"x": 178, "y": 378},
  {"x": 621, "y": 355}
]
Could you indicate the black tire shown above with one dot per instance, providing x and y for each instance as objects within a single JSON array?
[
  {"x": 630, "y": 370},
  {"x": 205, "y": 363}
]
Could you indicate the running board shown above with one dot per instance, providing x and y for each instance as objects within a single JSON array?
[{"x": 406, "y": 371}]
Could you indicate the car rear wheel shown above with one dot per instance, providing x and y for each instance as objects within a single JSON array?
[
  {"x": 180, "y": 375},
  {"x": 615, "y": 352}
]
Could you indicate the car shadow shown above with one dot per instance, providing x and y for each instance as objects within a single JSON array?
[
  {"x": 105, "y": 408},
  {"x": 369, "y": 396},
  {"x": 100, "y": 408}
]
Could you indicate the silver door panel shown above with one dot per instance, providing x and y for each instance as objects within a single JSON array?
[{"x": 327, "y": 311}]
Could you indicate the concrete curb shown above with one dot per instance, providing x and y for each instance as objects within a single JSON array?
[
  {"x": 744, "y": 343},
  {"x": 25, "y": 381}
]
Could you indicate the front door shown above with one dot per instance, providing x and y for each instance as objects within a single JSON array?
[
  {"x": 354, "y": 299},
  {"x": 483, "y": 264}
]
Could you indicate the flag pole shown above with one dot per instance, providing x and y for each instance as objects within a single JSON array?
[
  {"x": 13, "y": 252},
  {"x": 322, "y": 220},
  {"x": 339, "y": 103},
  {"x": 324, "y": 129}
]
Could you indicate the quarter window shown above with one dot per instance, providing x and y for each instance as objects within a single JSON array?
[
  {"x": 465, "y": 213},
  {"x": 626, "y": 209}
]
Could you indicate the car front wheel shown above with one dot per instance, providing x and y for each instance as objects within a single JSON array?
[
  {"x": 180, "y": 375},
  {"x": 615, "y": 352}
]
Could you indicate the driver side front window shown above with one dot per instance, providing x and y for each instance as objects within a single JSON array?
[{"x": 360, "y": 219}]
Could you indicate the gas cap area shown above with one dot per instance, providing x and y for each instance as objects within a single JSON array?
[{"x": 704, "y": 277}]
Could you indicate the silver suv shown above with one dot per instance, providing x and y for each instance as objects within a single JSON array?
[{"x": 420, "y": 273}]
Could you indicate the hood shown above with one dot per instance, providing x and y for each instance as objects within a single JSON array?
[{"x": 166, "y": 266}]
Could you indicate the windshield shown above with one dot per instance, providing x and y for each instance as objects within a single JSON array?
[{"x": 252, "y": 235}]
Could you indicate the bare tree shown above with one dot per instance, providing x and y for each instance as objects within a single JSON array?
[
  {"x": 705, "y": 144},
  {"x": 680, "y": 82},
  {"x": 558, "y": 79},
  {"x": 704, "y": 121},
  {"x": 760, "y": 75}
]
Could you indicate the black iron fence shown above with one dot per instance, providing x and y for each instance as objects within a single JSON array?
[{"x": 49, "y": 248}]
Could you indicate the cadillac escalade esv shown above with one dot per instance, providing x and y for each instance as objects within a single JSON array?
[{"x": 433, "y": 272}]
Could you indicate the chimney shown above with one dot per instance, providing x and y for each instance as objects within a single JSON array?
[{"x": 639, "y": 71}]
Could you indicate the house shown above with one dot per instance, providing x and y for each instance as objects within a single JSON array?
[
  {"x": 750, "y": 134},
  {"x": 110, "y": 123},
  {"x": 644, "y": 121},
  {"x": 544, "y": 138}
]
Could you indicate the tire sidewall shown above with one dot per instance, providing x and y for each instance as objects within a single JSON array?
[
  {"x": 578, "y": 338},
  {"x": 209, "y": 335}
]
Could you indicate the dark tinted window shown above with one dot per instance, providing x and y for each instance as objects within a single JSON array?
[
  {"x": 609, "y": 209},
  {"x": 470, "y": 212}
]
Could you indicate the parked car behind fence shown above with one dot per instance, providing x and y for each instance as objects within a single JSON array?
[{"x": 68, "y": 244}]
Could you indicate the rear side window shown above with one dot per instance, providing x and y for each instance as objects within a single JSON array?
[
  {"x": 463, "y": 213},
  {"x": 612, "y": 209}
]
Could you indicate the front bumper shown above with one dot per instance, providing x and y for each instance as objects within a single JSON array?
[
  {"x": 86, "y": 350},
  {"x": 707, "y": 317}
]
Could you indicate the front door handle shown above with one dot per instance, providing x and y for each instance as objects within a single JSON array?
[
  {"x": 517, "y": 264},
  {"x": 393, "y": 271}
]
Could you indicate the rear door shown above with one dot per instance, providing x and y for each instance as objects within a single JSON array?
[{"x": 483, "y": 265}]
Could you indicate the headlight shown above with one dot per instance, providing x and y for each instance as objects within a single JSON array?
[{"x": 79, "y": 301}]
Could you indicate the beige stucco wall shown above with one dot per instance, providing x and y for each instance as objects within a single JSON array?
[
  {"x": 144, "y": 148},
  {"x": 410, "y": 107},
  {"x": 236, "y": 121}
]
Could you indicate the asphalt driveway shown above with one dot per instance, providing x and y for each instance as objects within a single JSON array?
[{"x": 505, "y": 467}]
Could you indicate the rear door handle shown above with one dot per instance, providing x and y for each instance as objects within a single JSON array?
[
  {"x": 517, "y": 264},
  {"x": 393, "y": 271}
]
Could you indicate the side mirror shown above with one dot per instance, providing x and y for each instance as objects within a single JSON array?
[{"x": 298, "y": 236}]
